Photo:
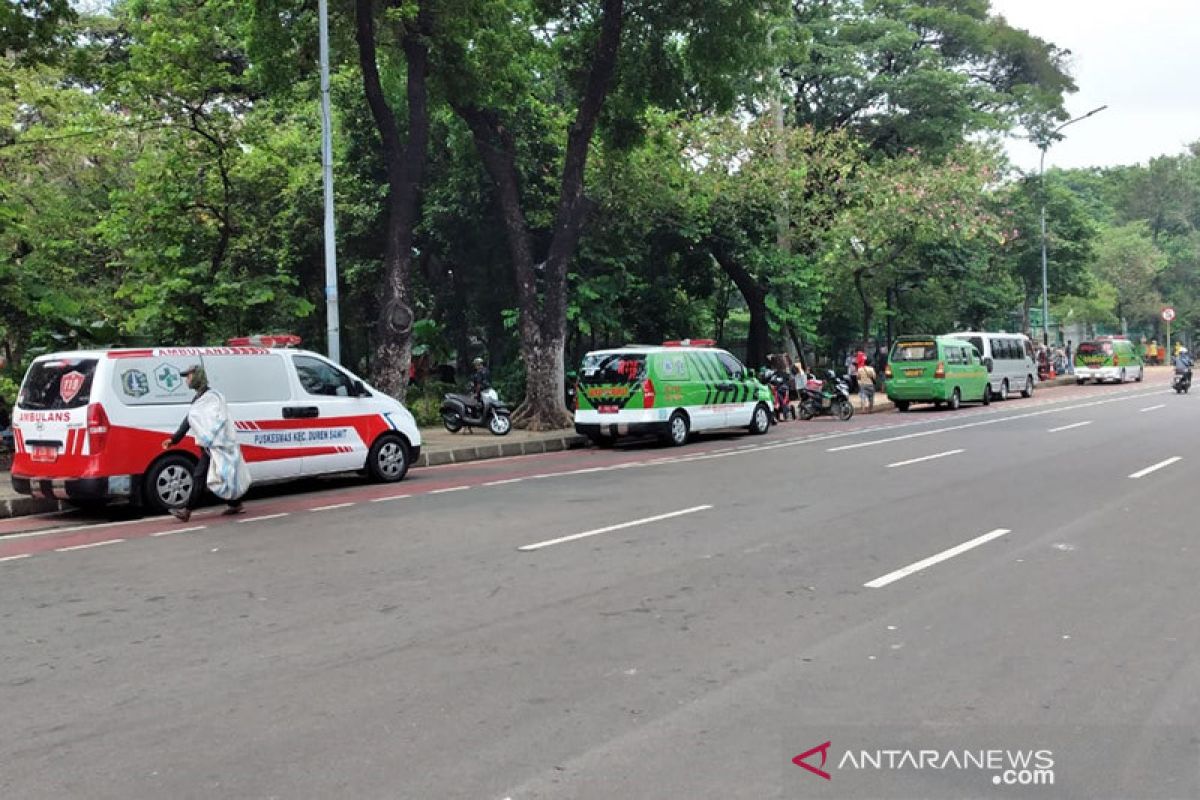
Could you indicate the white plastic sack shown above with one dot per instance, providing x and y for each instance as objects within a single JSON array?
[{"x": 228, "y": 476}]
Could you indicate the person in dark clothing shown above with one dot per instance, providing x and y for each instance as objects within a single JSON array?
[
  {"x": 198, "y": 382},
  {"x": 481, "y": 379}
]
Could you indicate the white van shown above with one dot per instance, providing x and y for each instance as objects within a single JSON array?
[
  {"x": 89, "y": 425},
  {"x": 1009, "y": 359}
]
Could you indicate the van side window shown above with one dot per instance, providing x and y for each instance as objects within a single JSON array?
[
  {"x": 1028, "y": 349},
  {"x": 320, "y": 378},
  {"x": 248, "y": 379},
  {"x": 732, "y": 366}
]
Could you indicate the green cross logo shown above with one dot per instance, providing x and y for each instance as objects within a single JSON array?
[{"x": 168, "y": 377}]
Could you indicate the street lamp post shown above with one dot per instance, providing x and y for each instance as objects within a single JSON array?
[
  {"x": 333, "y": 324},
  {"x": 1044, "y": 145}
]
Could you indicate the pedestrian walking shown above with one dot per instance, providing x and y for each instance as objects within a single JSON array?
[
  {"x": 860, "y": 359},
  {"x": 1070, "y": 358},
  {"x": 866, "y": 387},
  {"x": 221, "y": 466}
]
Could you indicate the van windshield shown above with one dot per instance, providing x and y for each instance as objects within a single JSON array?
[
  {"x": 601, "y": 368},
  {"x": 1096, "y": 349},
  {"x": 57, "y": 384},
  {"x": 915, "y": 351}
]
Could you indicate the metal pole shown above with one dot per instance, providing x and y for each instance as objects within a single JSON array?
[
  {"x": 1042, "y": 180},
  {"x": 333, "y": 325},
  {"x": 1045, "y": 292}
]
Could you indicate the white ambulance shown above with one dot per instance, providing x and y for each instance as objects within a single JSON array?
[{"x": 89, "y": 425}]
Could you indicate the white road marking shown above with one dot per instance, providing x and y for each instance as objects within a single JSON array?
[
  {"x": 924, "y": 563},
  {"x": 393, "y": 497},
  {"x": 1154, "y": 408},
  {"x": 1069, "y": 427},
  {"x": 1141, "y": 473},
  {"x": 14, "y": 558},
  {"x": 95, "y": 527},
  {"x": 87, "y": 546},
  {"x": 610, "y": 528},
  {"x": 181, "y": 530},
  {"x": 926, "y": 458},
  {"x": 451, "y": 489},
  {"x": 504, "y": 482},
  {"x": 332, "y": 507},
  {"x": 967, "y": 425},
  {"x": 263, "y": 517}
]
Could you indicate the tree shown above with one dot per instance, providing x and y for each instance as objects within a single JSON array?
[
  {"x": 1127, "y": 259},
  {"x": 920, "y": 73},
  {"x": 405, "y": 165},
  {"x": 515, "y": 66},
  {"x": 1070, "y": 232}
]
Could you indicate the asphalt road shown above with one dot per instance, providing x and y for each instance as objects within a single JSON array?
[{"x": 644, "y": 623}]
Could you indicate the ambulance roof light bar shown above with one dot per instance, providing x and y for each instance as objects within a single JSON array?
[
  {"x": 690, "y": 343},
  {"x": 266, "y": 340}
]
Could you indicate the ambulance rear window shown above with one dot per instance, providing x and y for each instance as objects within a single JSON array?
[
  {"x": 57, "y": 384},
  {"x": 1096, "y": 349},
  {"x": 601, "y": 368}
]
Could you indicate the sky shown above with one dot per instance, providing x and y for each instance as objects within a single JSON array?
[{"x": 1141, "y": 59}]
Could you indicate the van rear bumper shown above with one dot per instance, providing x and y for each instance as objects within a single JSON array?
[
  {"x": 609, "y": 430},
  {"x": 111, "y": 487}
]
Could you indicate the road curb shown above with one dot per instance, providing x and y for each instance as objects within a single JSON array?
[
  {"x": 26, "y": 506},
  {"x": 462, "y": 455}
]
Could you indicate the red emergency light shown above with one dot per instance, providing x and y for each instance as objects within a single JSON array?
[
  {"x": 690, "y": 343},
  {"x": 266, "y": 340}
]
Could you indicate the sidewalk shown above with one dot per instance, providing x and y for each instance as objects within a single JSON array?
[{"x": 438, "y": 446}]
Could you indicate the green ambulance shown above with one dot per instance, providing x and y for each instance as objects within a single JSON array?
[
  {"x": 936, "y": 369},
  {"x": 1109, "y": 358},
  {"x": 669, "y": 391}
]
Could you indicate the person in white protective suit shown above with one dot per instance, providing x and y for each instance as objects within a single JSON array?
[{"x": 221, "y": 466}]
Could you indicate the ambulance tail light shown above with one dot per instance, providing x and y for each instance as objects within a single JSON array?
[
  {"x": 940, "y": 372},
  {"x": 647, "y": 393},
  {"x": 97, "y": 428},
  {"x": 887, "y": 371},
  {"x": 1116, "y": 360}
]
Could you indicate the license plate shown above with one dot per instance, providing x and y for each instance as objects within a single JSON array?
[
  {"x": 914, "y": 373},
  {"x": 44, "y": 455},
  {"x": 608, "y": 409}
]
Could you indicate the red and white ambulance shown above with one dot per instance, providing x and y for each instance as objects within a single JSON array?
[{"x": 89, "y": 425}]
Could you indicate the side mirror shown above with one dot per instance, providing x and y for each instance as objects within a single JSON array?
[{"x": 987, "y": 362}]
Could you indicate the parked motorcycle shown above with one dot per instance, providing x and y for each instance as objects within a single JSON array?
[
  {"x": 828, "y": 398},
  {"x": 1182, "y": 382},
  {"x": 463, "y": 411}
]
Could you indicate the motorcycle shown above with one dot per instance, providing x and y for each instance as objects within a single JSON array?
[
  {"x": 780, "y": 385},
  {"x": 463, "y": 411},
  {"x": 828, "y": 398},
  {"x": 1182, "y": 382}
]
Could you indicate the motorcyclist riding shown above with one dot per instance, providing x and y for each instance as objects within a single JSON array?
[{"x": 1183, "y": 362}]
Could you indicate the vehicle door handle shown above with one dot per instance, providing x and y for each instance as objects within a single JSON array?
[{"x": 301, "y": 412}]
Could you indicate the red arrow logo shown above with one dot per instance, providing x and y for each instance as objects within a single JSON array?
[{"x": 823, "y": 749}]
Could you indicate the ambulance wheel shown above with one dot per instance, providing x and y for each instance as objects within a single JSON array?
[
  {"x": 1028, "y": 390},
  {"x": 387, "y": 462},
  {"x": 760, "y": 423},
  {"x": 1004, "y": 389},
  {"x": 169, "y": 483},
  {"x": 955, "y": 400},
  {"x": 1141, "y": 374},
  {"x": 678, "y": 429},
  {"x": 987, "y": 396},
  {"x": 901, "y": 405}
]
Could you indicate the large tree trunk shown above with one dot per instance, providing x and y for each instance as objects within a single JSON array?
[
  {"x": 405, "y": 165},
  {"x": 543, "y": 320},
  {"x": 755, "y": 295}
]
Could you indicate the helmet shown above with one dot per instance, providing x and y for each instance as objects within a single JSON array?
[
  {"x": 830, "y": 375},
  {"x": 478, "y": 361},
  {"x": 1183, "y": 350}
]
